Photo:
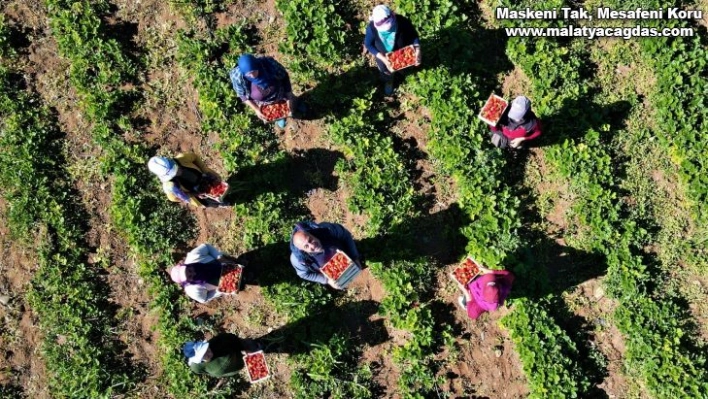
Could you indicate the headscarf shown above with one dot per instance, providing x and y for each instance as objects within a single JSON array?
[
  {"x": 194, "y": 351},
  {"x": 178, "y": 273},
  {"x": 520, "y": 115},
  {"x": 519, "y": 107},
  {"x": 248, "y": 63},
  {"x": 380, "y": 14},
  {"x": 164, "y": 168},
  {"x": 203, "y": 273}
]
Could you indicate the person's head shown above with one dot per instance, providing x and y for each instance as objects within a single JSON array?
[
  {"x": 197, "y": 352},
  {"x": 383, "y": 18},
  {"x": 519, "y": 107},
  {"x": 164, "y": 168},
  {"x": 181, "y": 273},
  {"x": 248, "y": 64},
  {"x": 306, "y": 242}
]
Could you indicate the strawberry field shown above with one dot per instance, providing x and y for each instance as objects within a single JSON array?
[{"x": 603, "y": 223}]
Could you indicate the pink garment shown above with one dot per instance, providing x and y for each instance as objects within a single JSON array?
[{"x": 489, "y": 292}]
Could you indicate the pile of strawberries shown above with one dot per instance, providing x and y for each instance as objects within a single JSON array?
[
  {"x": 256, "y": 366},
  {"x": 217, "y": 189},
  {"x": 276, "y": 111},
  {"x": 402, "y": 58},
  {"x": 336, "y": 266},
  {"x": 466, "y": 271},
  {"x": 493, "y": 109},
  {"x": 230, "y": 279}
]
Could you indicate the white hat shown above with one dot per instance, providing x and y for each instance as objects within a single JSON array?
[
  {"x": 164, "y": 168},
  {"x": 519, "y": 107},
  {"x": 194, "y": 351},
  {"x": 380, "y": 14}
]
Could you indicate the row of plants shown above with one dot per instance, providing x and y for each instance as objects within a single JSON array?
[
  {"x": 375, "y": 175},
  {"x": 492, "y": 233},
  {"x": 458, "y": 141},
  {"x": 251, "y": 154},
  {"x": 316, "y": 35},
  {"x": 679, "y": 98},
  {"x": 658, "y": 348},
  {"x": 99, "y": 70},
  {"x": 67, "y": 292},
  {"x": 407, "y": 305}
]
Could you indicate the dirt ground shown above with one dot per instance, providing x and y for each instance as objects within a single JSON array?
[{"x": 487, "y": 364}]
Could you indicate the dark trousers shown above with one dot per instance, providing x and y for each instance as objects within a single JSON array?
[{"x": 384, "y": 74}]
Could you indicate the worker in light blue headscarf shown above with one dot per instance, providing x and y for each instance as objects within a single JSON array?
[{"x": 387, "y": 32}]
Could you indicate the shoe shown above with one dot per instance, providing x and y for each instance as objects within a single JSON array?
[
  {"x": 388, "y": 88},
  {"x": 462, "y": 302},
  {"x": 281, "y": 123}
]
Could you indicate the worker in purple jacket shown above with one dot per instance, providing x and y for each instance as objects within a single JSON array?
[
  {"x": 486, "y": 292},
  {"x": 387, "y": 32}
]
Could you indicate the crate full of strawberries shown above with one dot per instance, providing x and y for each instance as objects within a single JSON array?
[
  {"x": 402, "y": 58},
  {"x": 341, "y": 268},
  {"x": 466, "y": 271},
  {"x": 256, "y": 367},
  {"x": 230, "y": 280},
  {"x": 493, "y": 109},
  {"x": 275, "y": 111}
]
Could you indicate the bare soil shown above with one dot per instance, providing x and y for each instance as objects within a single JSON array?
[{"x": 486, "y": 364}]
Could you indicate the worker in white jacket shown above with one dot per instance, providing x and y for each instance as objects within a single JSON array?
[{"x": 200, "y": 271}]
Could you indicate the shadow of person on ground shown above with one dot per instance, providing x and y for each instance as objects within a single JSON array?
[
  {"x": 436, "y": 236},
  {"x": 352, "y": 320},
  {"x": 568, "y": 123},
  {"x": 334, "y": 96},
  {"x": 549, "y": 268},
  {"x": 297, "y": 174}
]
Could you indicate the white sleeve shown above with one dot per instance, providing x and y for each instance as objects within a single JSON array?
[
  {"x": 202, "y": 254},
  {"x": 200, "y": 294}
]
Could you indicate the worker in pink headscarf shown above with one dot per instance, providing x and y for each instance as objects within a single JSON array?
[{"x": 486, "y": 292}]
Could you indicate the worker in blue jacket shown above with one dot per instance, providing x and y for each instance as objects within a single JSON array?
[{"x": 387, "y": 32}]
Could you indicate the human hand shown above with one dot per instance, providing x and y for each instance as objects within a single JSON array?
[
  {"x": 389, "y": 65},
  {"x": 517, "y": 142},
  {"x": 385, "y": 61},
  {"x": 260, "y": 115},
  {"x": 333, "y": 284},
  {"x": 363, "y": 50},
  {"x": 418, "y": 56}
]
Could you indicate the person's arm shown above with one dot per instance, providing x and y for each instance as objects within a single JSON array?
[
  {"x": 370, "y": 40},
  {"x": 370, "y": 44},
  {"x": 239, "y": 84},
  {"x": 200, "y": 294},
  {"x": 282, "y": 75},
  {"x": 536, "y": 131},
  {"x": 197, "y": 368},
  {"x": 465, "y": 290},
  {"x": 306, "y": 273},
  {"x": 256, "y": 108},
  {"x": 416, "y": 43},
  {"x": 202, "y": 254},
  {"x": 175, "y": 193}
]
